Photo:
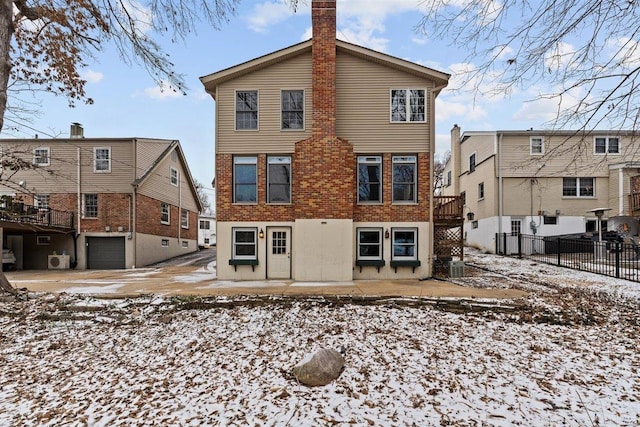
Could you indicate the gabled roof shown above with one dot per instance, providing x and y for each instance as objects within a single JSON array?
[
  {"x": 210, "y": 81},
  {"x": 173, "y": 146}
]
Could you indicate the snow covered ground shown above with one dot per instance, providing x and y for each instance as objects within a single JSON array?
[{"x": 568, "y": 354}]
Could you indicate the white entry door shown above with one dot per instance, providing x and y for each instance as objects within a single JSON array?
[{"x": 279, "y": 253}]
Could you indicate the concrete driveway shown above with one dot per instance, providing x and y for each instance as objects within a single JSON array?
[{"x": 195, "y": 274}]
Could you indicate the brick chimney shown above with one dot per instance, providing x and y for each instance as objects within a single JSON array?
[
  {"x": 324, "y": 165},
  {"x": 323, "y": 19}
]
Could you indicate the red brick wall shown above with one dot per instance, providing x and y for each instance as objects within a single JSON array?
[
  {"x": 227, "y": 211},
  {"x": 389, "y": 212},
  {"x": 324, "y": 179},
  {"x": 148, "y": 220},
  {"x": 113, "y": 210}
]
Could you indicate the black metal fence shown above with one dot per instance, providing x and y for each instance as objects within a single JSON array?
[
  {"x": 27, "y": 214},
  {"x": 609, "y": 258}
]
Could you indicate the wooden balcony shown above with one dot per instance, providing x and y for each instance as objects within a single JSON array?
[
  {"x": 19, "y": 215},
  {"x": 448, "y": 209}
]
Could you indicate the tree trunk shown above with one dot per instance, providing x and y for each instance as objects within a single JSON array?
[
  {"x": 5, "y": 286},
  {"x": 6, "y": 34}
]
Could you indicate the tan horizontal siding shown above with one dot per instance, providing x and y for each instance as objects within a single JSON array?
[
  {"x": 121, "y": 176},
  {"x": 482, "y": 145},
  {"x": 363, "y": 107},
  {"x": 292, "y": 74},
  {"x": 148, "y": 152},
  {"x": 158, "y": 185}
]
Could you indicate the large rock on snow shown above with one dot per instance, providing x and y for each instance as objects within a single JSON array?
[{"x": 321, "y": 368}]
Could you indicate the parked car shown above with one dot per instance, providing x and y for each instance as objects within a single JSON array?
[{"x": 8, "y": 260}]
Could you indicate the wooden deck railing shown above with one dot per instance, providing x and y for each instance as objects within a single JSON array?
[
  {"x": 27, "y": 214},
  {"x": 447, "y": 208}
]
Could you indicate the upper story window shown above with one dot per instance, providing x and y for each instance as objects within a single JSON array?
[
  {"x": 370, "y": 243},
  {"x": 448, "y": 178},
  {"x": 184, "y": 218},
  {"x": 536, "y": 145},
  {"x": 279, "y": 179},
  {"x": 41, "y": 156},
  {"x": 165, "y": 213},
  {"x": 204, "y": 225},
  {"x": 246, "y": 110},
  {"x": 102, "y": 159},
  {"x": 481, "y": 191},
  {"x": 245, "y": 179},
  {"x": 369, "y": 179},
  {"x": 408, "y": 105},
  {"x": 292, "y": 109},
  {"x": 606, "y": 145},
  {"x": 89, "y": 205},
  {"x": 578, "y": 187},
  {"x": 42, "y": 201},
  {"x": 174, "y": 176},
  {"x": 404, "y": 179},
  {"x": 472, "y": 162}
]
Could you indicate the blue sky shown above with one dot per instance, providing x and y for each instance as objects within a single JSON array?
[{"x": 128, "y": 104}]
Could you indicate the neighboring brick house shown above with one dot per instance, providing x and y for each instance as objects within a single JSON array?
[
  {"x": 543, "y": 182},
  {"x": 131, "y": 202},
  {"x": 324, "y": 152}
]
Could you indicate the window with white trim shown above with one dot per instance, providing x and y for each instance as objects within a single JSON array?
[
  {"x": 408, "y": 105},
  {"x": 246, "y": 110},
  {"x": 578, "y": 187},
  {"x": 481, "y": 191},
  {"x": 43, "y": 240},
  {"x": 89, "y": 205},
  {"x": 405, "y": 244},
  {"x": 245, "y": 179},
  {"x": 205, "y": 225},
  {"x": 606, "y": 145},
  {"x": 292, "y": 114},
  {"x": 184, "y": 218},
  {"x": 164, "y": 243},
  {"x": 279, "y": 179},
  {"x": 448, "y": 178},
  {"x": 404, "y": 179},
  {"x": 369, "y": 243},
  {"x": 102, "y": 159},
  {"x": 42, "y": 201},
  {"x": 41, "y": 156},
  {"x": 516, "y": 227},
  {"x": 185, "y": 243},
  {"x": 245, "y": 243},
  {"x": 536, "y": 145},
  {"x": 165, "y": 213},
  {"x": 173, "y": 176},
  {"x": 370, "y": 179}
]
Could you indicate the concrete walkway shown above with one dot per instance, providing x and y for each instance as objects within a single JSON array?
[{"x": 201, "y": 281}]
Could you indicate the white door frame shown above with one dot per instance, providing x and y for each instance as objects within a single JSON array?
[{"x": 271, "y": 261}]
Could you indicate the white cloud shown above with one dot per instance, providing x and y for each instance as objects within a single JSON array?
[
  {"x": 267, "y": 14},
  {"x": 162, "y": 92},
  {"x": 626, "y": 52},
  {"x": 560, "y": 57},
  {"x": 92, "y": 76},
  {"x": 419, "y": 40}
]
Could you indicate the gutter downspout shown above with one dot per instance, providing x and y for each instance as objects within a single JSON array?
[
  {"x": 79, "y": 216},
  {"x": 500, "y": 188},
  {"x": 180, "y": 209},
  {"x": 133, "y": 205}
]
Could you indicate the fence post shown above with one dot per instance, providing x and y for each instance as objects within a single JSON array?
[
  {"x": 497, "y": 244},
  {"x": 558, "y": 249},
  {"x": 618, "y": 250},
  {"x": 520, "y": 245}
]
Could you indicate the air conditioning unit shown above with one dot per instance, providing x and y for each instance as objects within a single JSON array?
[
  {"x": 58, "y": 262},
  {"x": 456, "y": 268}
]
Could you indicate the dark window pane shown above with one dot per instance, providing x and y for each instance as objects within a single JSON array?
[
  {"x": 245, "y": 236},
  {"x": 245, "y": 250},
  {"x": 398, "y": 105}
]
